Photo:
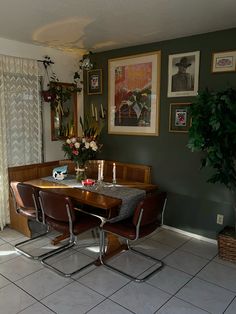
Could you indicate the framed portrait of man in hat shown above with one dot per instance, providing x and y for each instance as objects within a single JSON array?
[{"x": 183, "y": 72}]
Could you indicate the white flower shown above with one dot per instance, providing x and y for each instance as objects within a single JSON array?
[
  {"x": 93, "y": 145},
  {"x": 77, "y": 145},
  {"x": 86, "y": 145},
  {"x": 73, "y": 140},
  {"x": 83, "y": 140},
  {"x": 68, "y": 141}
]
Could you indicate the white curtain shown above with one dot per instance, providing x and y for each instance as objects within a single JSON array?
[{"x": 20, "y": 121}]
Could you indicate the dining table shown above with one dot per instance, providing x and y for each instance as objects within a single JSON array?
[{"x": 109, "y": 202}]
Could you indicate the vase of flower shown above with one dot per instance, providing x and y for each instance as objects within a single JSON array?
[
  {"x": 80, "y": 150},
  {"x": 80, "y": 171}
]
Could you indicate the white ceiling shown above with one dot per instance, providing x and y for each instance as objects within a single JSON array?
[{"x": 100, "y": 25}]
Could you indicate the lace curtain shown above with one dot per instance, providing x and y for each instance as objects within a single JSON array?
[{"x": 20, "y": 121}]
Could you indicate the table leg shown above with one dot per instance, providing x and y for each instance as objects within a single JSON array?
[
  {"x": 60, "y": 238},
  {"x": 114, "y": 246}
]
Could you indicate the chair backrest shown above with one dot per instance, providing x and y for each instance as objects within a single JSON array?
[
  {"x": 25, "y": 195},
  {"x": 151, "y": 209},
  {"x": 57, "y": 207}
]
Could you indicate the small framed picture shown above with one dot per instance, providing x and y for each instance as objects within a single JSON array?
[
  {"x": 224, "y": 61},
  {"x": 94, "y": 82},
  {"x": 179, "y": 118},
  {"x": 183, "y": 72}
]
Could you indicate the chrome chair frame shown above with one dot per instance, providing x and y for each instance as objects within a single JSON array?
[
  {"x": 18, "y": 245},
  {"x": 72, "y": 242},
  {"x": 102, "y": 251}
]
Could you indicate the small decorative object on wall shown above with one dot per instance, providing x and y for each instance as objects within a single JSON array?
[
  {"x": 133, "y": 94},
  {"x": 179, "y": 118},
  {"x": 183, "y": 72},
  {"x": 224, "y": 61},
  {"x": 94, "y": 82}
]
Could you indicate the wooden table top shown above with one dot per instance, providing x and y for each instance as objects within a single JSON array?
[{"x": 109, "y": 204}]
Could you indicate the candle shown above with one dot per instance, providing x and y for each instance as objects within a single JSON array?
[
  {"x": 96, "y": 114},
  {"x": 114, "y": 173},
  {"x": 102, "y": 168},
  {"x": 99, "y": 172},
  {"x": 102, "y": 111},
  {"x": 92, "y": 108}
]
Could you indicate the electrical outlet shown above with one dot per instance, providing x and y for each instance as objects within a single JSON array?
[{"x": 219, "y": 219}]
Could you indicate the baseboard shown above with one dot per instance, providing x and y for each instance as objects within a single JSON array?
[{"x": 193, "y": 235}]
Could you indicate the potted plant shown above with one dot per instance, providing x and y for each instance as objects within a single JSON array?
[{"x": 213, "y": 131}]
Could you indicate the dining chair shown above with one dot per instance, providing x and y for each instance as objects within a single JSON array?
[
  {"x": 147, "y": 217},
  {"x": 26, "y": 203},
  {"x": 61, "y": 215}
]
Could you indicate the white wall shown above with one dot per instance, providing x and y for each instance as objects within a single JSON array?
[{"x": 65, "y": 66}]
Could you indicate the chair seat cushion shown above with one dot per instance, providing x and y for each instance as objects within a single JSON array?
[
  {"x": 83, "y": 223},
  {"x": 125, "y": 228}
]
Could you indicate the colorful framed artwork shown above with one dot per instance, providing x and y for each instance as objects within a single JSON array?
[
  {"x": 224, "y": 61},
  {"x": 183, "y": 73},
  {"x": 179, "y": 118},
  {"x": 94, "y": 82},
  {"x": 134, "y": 94}
]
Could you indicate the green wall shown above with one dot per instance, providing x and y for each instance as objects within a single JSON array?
[{"x": 192, "y": 203}]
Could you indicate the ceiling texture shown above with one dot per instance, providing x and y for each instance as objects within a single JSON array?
[{"x": 100, "y": 25}]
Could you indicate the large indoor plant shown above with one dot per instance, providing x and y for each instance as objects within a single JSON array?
[{"x": 213, "y": 132}]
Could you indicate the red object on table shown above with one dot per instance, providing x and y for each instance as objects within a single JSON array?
[{"x": 88, "y": 182}]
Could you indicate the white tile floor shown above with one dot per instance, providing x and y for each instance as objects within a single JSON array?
[{"x": 193, "y": 280}]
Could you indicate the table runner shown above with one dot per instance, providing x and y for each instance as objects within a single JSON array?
[{"x": 129, "y": 196}]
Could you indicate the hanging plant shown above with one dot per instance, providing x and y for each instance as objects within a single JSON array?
[{"x": 56, "y": 94}]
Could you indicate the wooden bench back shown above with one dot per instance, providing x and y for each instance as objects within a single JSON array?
[{"x": 124, "y": 171}]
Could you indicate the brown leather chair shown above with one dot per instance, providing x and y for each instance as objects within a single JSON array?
[
  {"x": 60, "y": 215},
  {"x": 26, "y": 203},
  {"x": 147, "y": 218}
]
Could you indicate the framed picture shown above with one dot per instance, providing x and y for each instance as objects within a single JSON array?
[
  {"x": 183, "y": 72},
  {"x": 179, "y": 119},
  {"x": 224, "y": 61},
  {"x": 133, "y": 94},
  {"x": 94, "y": 82}
]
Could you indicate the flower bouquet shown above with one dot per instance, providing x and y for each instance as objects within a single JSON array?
[{"x": 79, "y": 150}]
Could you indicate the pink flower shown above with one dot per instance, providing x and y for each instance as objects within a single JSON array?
[{"x": 75, "y": 152}]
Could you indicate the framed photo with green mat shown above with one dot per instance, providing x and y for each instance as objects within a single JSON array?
[{"x": 179, "y": 118}]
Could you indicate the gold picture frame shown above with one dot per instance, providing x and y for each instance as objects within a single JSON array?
[
  {"x": 63, "y": 112},
  {"x": 224, "y": 61},
  {"x": 94, "y": 82},
  {"x": 179, "y": 118},
  {"x": 134, "y": 94}
]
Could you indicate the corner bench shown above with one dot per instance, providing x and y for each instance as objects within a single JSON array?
[{"x": 124, "y": 171}]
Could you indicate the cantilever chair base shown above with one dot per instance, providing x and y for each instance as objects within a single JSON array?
[
  {"x": 63, "y": 249},
  {"x": 27, "y": 254},
  {"x": 136, "y": 279}
]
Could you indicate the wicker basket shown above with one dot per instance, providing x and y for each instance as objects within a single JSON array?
[{"x": 227, "y": 244}]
